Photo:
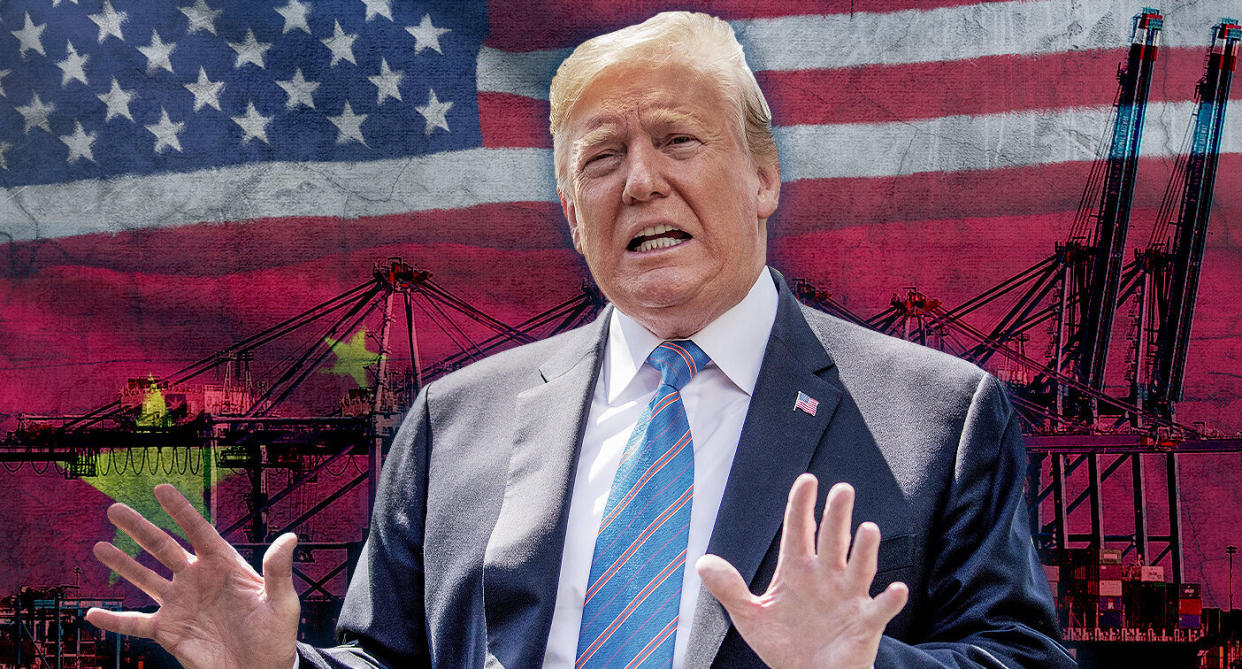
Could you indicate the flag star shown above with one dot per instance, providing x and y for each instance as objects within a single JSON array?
[
  {"x": 299, "y": 90},
  {"x": 426, "y": 35},
  {"x": 387, "y": 81},
  {"x": 295, "y": 16},
  {"x": 109, "y": 22},
  {"x": 434, "y": 112},
  {"x": 378, "y": 7},
  {"x": 349, "y": 125},
  {"x": 71, "y": 66},
  {"x": 157, "y": 53},
  {"x": 253, "y": 124},
  {"x": 30, "y": 37},
  {"x": 341, "y": 45},
  {"x": 117, "y": 100},
  {"x": 79, "y": 144},
  {"x": 201, "y": 17},
  {"x": 166, "y": 132},
  {"x": 4, "y": 146},
  {"x": 3, "y": 74},
  {"x": 36, "y": 113},
  {"x": 250, "y": 51},
  {"x": 206, "y": 92}
]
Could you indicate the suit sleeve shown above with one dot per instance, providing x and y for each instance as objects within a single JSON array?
[
  {"x": 988, "y": 600},
  {"x": 382, "y": 622}
]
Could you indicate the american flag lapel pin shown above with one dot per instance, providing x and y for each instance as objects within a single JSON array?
[{"x": 806, "y": 403}]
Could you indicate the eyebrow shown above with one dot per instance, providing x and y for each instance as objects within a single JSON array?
[{"x": 604, "y": 127}]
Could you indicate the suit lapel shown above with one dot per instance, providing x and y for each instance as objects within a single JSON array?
[
  {"x": 521, "y": 566},
  {"x": 776, "y": 445}
]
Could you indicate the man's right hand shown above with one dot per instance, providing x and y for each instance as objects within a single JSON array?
[{"x": 215, "y": 611}]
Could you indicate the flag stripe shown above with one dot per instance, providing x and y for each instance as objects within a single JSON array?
[
  {"x": 841, "y": 40},
  {"x": 447, "y": 180},
  {"x": 983, "y": 142},
  {"x": 514, "y": 26},
  {"x": 989, "y": 85},
  {"x": 961, "y": 33},
  {"x": 508, "y": 120},
  {"x": 518, "y": 116}
]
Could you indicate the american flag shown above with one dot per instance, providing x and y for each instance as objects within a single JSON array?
[
  {"x": 806, "y": 403},
  {"x": 175, "y": 176}
]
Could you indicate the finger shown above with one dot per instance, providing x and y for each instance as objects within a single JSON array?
[
  {"x": 130, "y": 623},
  {"x": 890, "y": 602},
  {"x": 278, "y": 567},
  {"x": 203, "y": 537},
  {"x": 863, "y": 557},
  {"x": 148, "y": 581},
  {"x": 725, "y": 583},
  {"x": 156, "y": 541},
  {"x": 834, "y": 529},
  {"x": 798, "y": 538}
]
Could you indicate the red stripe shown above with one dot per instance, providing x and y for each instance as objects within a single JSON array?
[
  {"x": 655, "y": 467},
  {"x": 821, "y": 204},
  {"x": 652, "y": 645},
  {"x": 685, "y": 356},
  {"x": 508, "y": 120},
  {"x": 891, "y": 93},
  {"x": 638, "y": 541},
  {"x": 633, "y": 605},
  {"x": 989, "y": 85},
  {"x": 639, "y": 514},
  {"x": 638, "y": 445},
  {"x": 541, "y": 24},
  {"x": 678, "y": 534}
]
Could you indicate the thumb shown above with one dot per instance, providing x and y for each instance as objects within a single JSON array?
[
  {"x": 724, "y": 582},
  {"x": 278, "y": 568}
]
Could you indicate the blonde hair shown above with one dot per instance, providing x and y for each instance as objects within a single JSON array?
[{"x": 665, "y": 37}]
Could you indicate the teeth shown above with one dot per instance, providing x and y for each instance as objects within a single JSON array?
[
  {"x": 660, "y": 243},
  {"x": 651, "y": 230}
]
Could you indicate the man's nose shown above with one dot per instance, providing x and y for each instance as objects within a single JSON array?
[{"x": 645, "y": 177}]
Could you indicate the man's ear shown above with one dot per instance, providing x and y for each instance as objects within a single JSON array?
[
  {"x": 769, "y": 193},
  {"x": 571, "y": 215}
]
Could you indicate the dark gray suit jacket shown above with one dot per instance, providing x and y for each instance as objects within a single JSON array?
[{"x": 462, "y": 562}]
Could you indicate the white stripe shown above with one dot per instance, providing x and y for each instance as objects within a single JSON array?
[
  {"x": 965, "y": 32},
  {"x": 911, "y": 36},
  {"x": 985, "y": 142},
  {"x": 482, "y": 176},
  {"x": 525, "y": 73},
  {"x": 448, "y": 180}
]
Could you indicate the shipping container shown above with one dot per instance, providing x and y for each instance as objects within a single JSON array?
[
  {"x": 1112, "y": 572},
  {"x": 1111, "y": 604},
  {"x": 1189, "y": 621},
  {"x": 1192, "y": 606},
  {"x": 1110, "y": 588}
]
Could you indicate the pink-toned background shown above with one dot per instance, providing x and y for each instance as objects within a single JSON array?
[{"x": 874, "y": 201}]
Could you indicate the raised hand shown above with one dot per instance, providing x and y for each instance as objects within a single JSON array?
[
  {"x": 215, "y": 611},
  {"x": 817, "y": 611}
]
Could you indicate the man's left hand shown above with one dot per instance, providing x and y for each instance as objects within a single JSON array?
[{"x": 817, "y": 611}]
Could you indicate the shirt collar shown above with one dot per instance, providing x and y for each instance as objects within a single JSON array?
[{"x": 735, "y": 341}]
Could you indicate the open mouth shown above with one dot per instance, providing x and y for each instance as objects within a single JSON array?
[{"x": 655, "y": 237}]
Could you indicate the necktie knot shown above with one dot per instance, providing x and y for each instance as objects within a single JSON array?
[{"x": 678, "y": 362}]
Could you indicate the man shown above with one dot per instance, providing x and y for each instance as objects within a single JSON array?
[{"x": 563, "y": 503}]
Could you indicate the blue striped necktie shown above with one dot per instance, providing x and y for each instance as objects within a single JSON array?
[{"x": 634, "y": 593}]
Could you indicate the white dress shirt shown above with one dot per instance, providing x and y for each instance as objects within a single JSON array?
[{"x": 716, "y": 400}]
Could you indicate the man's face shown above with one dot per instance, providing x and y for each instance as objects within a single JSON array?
[{"x": 667, "y": 205}]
